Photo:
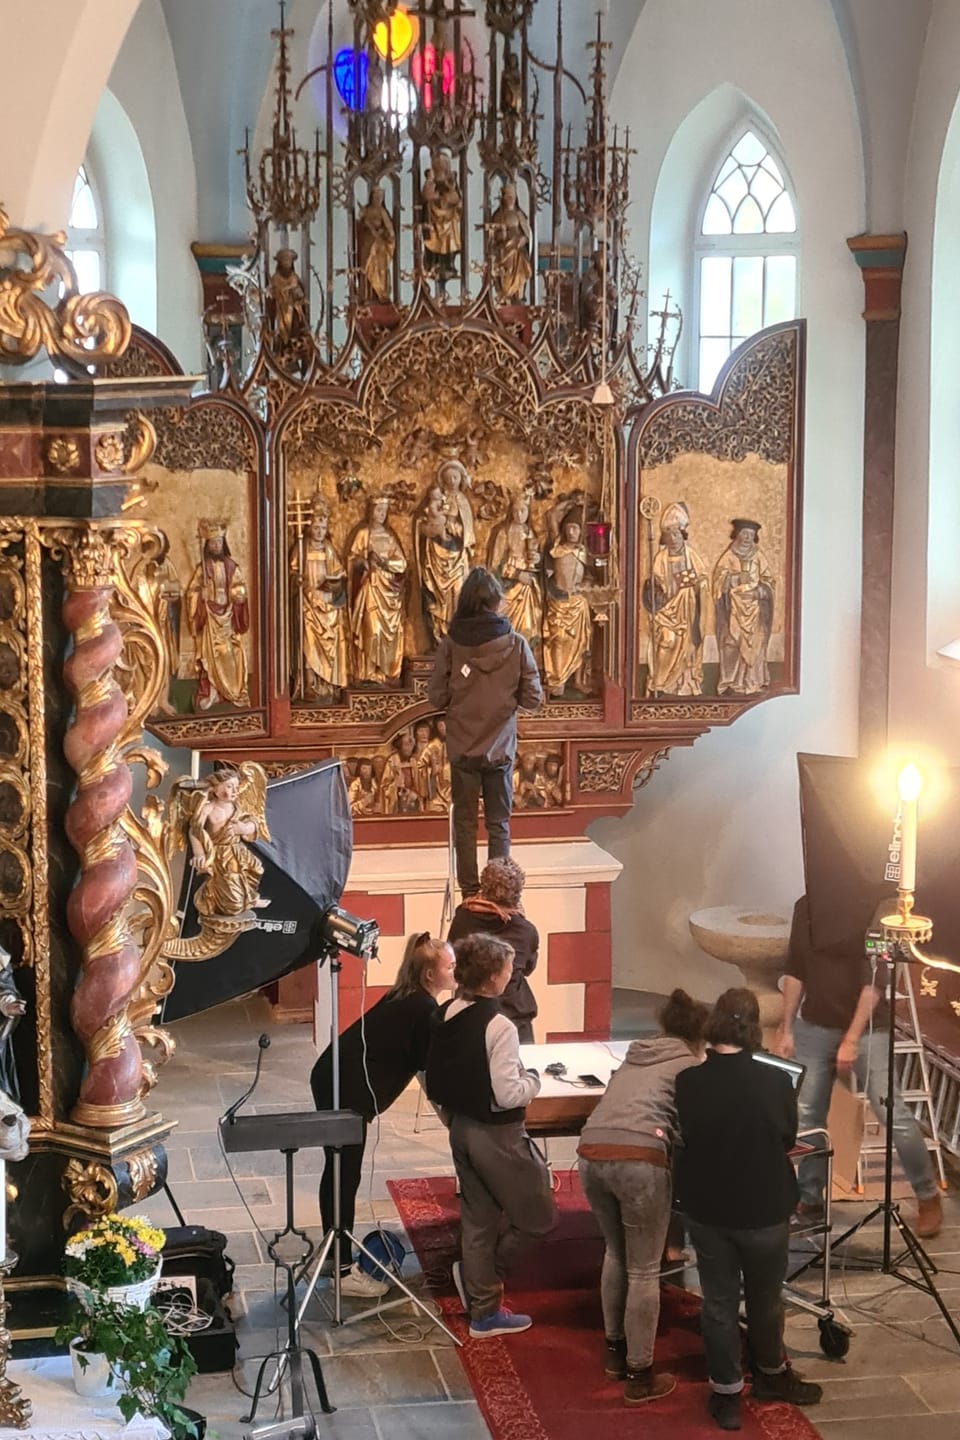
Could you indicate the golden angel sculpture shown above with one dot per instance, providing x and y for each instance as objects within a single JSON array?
[{"x": 216, "y": 817}]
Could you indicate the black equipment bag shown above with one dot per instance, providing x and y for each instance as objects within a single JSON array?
[{"x": 195, "y": 1250}]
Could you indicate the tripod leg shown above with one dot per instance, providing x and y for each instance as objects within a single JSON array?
[
  {"x": 395, "y": 1280},
  {"x": 173, "y": 1204}
]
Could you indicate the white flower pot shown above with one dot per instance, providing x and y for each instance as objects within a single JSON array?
[
  {"x": 94, "y": 1378},
  {"x": 137, "y": 1296}
]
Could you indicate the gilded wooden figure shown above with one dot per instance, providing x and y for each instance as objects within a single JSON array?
[
  {"x": 377, "y": 242},
  {"x": 218, "y": 617},
  {"x": 443, "y": 228},
  {"x": 568, "y": 626},
  {"x": 515, "y": 559},
  {"x": 319, "y": 585},
  {"x": 509, "y": 246},
  {"x": 743, "y": 588},
  {"x": 376, "y": 568},
  {"x": 676, "y": 598},
  {"x": 222, "y": 814}
]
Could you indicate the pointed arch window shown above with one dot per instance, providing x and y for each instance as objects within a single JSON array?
[
  {"x": 746, "y": 253},
  {"x": 85, "y": 236}
]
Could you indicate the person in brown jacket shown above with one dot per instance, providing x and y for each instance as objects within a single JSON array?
[{"x": 484, "y": 672}]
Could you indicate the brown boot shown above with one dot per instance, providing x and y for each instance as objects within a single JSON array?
[
  {"x": 929, "y": 1218},
  {"x": 643, "y": 1385},
  {"x": 615, "y": 1359}
]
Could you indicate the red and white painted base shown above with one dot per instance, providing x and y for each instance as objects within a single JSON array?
[{"x": 567, "y": 897}]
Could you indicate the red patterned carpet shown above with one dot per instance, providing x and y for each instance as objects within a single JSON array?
[{"x": 548, "y": 1383}]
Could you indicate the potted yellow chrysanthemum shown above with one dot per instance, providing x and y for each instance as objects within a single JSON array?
[{"x": 116, "y": 1338}]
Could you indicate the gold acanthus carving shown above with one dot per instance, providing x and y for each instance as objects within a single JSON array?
[
  {"x": 118, "y": 453},
  {"x": 110, "y": 1038},
  {"x": 79, "y": 329},
  {"x": 649, "y": 766},
  {"x": 211, "y": 728},
  {"x": 599, "y": 771},
  {"x": 144, "y": 1169},
  {"x": 91, "y": 1189},
  {"x": 755, "y": 414}
]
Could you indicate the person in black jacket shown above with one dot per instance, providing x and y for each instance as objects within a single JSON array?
[
  {"x": 379, "y": 1055},
  {"x": 483, "y": 673},
  {"x": 737, "y": 1188},
  {"x": 497, "y": 911}
]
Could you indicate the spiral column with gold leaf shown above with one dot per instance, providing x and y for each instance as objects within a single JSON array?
[{"x": 87, "y": 902}]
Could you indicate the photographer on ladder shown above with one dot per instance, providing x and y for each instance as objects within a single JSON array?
[{"x": 483, "y": 673}]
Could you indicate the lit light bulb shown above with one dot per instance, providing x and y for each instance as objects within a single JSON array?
[{"x": 909, "y": 783}]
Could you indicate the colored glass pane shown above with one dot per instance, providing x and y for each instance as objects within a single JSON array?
[
  {"x": 396, "y": 37},
  {"x": 350, "y": 77}
]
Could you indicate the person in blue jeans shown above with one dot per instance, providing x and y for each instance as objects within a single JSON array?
[
  {"x": 484, "y": 672},
  {"x": 835, "y": 1021}
]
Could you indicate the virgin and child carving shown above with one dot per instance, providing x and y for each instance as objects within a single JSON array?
[{"x": 514, "y": 557}]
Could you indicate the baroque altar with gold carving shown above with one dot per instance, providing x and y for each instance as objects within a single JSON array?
[{"x": 444, "y": 364}]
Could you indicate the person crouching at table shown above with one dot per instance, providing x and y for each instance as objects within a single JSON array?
[
  {"x": 379, "y": 1056},
  {"x": 625, "y": 1173},
  {"x": 476, "y": 1078},
  {"x": 737, "y": 1188}
]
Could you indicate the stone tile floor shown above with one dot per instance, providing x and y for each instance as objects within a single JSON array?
[{"x": 398, "y": 1375}]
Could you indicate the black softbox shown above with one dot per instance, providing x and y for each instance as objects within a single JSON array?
[
  {"x": 305, "y": 867},
  {"x": 846, "y": 835}
]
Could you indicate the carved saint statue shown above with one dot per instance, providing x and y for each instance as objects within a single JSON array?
[
  {"x": 568, "y": 626},
  {"x": 515, "y": 559},
  {"x": 287, "y": 309},
  {"x": 446, "y": 540},
  {"x": 363, "y": 792},
  {"x": 377, "y": 566},
  {"x": 377, "y": 242},
  {"x": 676, "y": 598},
  {"x": 218, "y": 616},
  {"x": 319, "y": 582},
  {"x": 743, "y": 588},
  {"x": 591, "y": 297},
  {"x": 443, "y": 203},
  {"x": 511, "y": 84},
  {"x": 401, "y": 783},
  {"x": 227, "y": 810},
  {"x": 436, "y": 764},
  {"x": 12, "y": 1006},
  {"x": 509, "y": 243}
]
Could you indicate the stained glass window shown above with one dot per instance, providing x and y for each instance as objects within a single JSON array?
[
  {"x": 746, "y": 253},
  {"x": 85, "y": 234}
]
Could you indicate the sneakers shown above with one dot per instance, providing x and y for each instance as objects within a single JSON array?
[
  {"x": 725, "y": 1410},
  {"x": 785, "y": 1385},
  {"x": 456, "y": 1272},
  {"x": 643, "y": 1385},
  {"x": 359, "y": 1284},
  {"x": 615, "y": 1359},
  {"x": 501, "y": 1322},
  {"x": 929, "y": 1218}
]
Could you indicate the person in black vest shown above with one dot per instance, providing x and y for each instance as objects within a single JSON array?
[
  {"x": 476, "y": 1078},
  {"x": 483, "y": 673},
  {"x": 737, "y": 1188},
  {"x": 379, "y": 1056},
  {"x": 497, "y": 911}
]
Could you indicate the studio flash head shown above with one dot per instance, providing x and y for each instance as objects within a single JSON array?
[{"x": 342, "y": 931}]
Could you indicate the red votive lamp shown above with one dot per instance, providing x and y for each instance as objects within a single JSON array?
[{"x": 598, "y": 539}]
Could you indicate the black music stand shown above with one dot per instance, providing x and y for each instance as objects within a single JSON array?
[{"x": 289, "y": 1133}]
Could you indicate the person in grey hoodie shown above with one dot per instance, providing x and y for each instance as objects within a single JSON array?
[
  {"x": 624, "y": 1155},
  {"x": 484, "y": 672}
]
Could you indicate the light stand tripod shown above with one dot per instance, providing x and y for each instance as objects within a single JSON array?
[
  {"x": 902, "y": 933},
  {"x": 332, "y": 1240}
]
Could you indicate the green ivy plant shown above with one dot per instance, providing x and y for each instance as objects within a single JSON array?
[{"x": 153, "y": 1367}]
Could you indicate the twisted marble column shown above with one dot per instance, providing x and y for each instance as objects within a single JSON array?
[{"x": 110, "y": 1092}]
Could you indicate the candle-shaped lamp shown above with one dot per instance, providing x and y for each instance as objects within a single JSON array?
[{"x": 909, "y": 784}]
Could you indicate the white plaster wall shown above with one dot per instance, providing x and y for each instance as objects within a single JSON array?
[
  {"x": 720, "y": 823},
  {"x": 145, "y": 82},
  {"x": 925, "y": 696},
  {"x": 58, "y": 56}
]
